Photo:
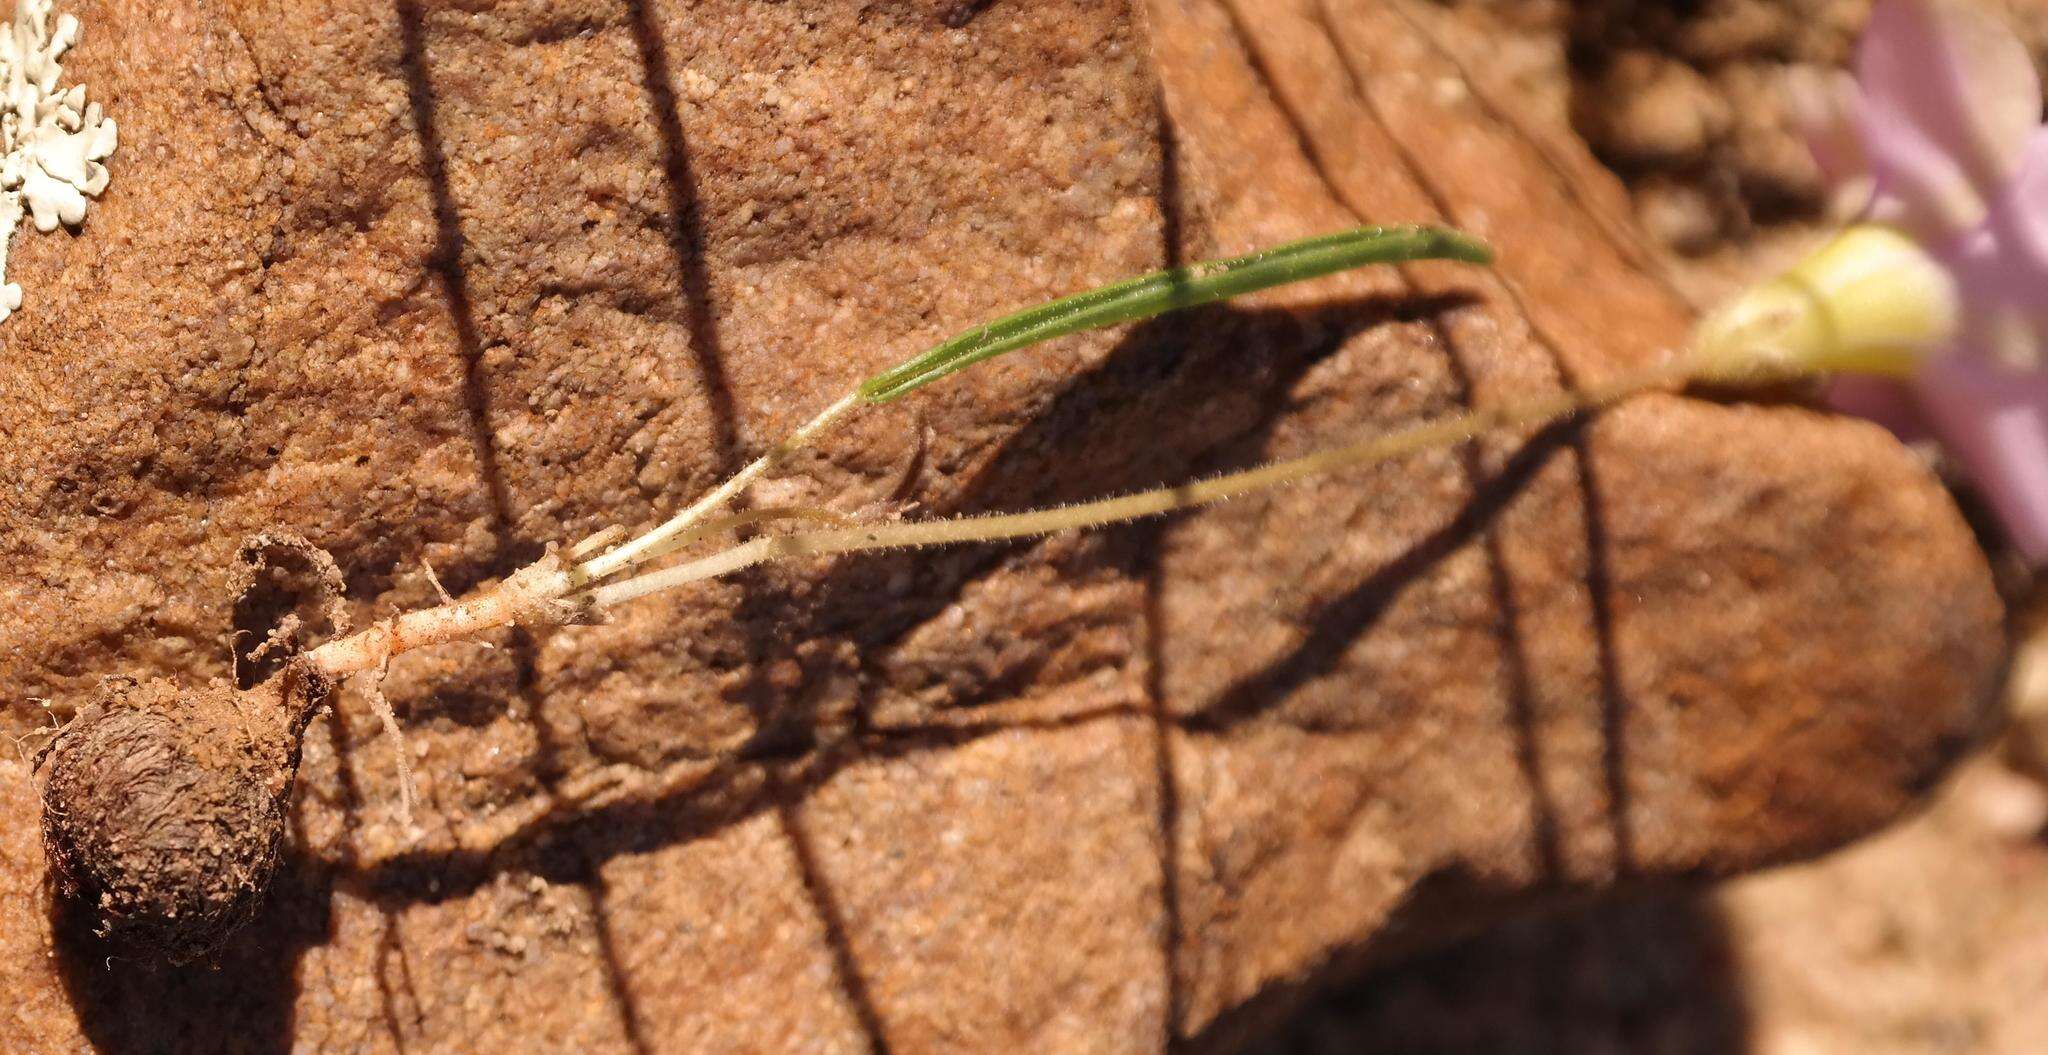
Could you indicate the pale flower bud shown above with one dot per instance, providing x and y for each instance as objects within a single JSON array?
[{"x": 1871, "y": 301}]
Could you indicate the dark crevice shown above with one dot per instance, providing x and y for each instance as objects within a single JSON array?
[
  {"x": 1614, "y": 704},
  {"x": 1151, "y": 539},
  {"x": 1172, "y": 226},
  {"x": 964, "y": 11},
  {"x": 1521, "y": 697},
  {"x": 1165, "y": 775},
  {"x": 615, "y": 977},
  {"x": 686, "y": 235},
  {"x": 390, "y": 950},
  {"x": 1613, "y": 691},
  {"x": 833, "y": 920},
  {"x": 1518, "y": 687},
  {"x": 1638, "y": 256},
  {"x": 447, "y": 264}
]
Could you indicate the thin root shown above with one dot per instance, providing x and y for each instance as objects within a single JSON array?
[
  {"x": 439, "y": 590},
  {"x": 283, "y": 639},
  {"x": 21, "y": 746},
  {"x": 408, "y": 792}
]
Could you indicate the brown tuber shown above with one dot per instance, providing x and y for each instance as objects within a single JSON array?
[{"x": 164, "y": 807}]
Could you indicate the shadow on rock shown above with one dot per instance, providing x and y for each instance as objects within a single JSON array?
[
  {"x": 240, "y": 1001},
  {"x": 1654, "y": 975}
]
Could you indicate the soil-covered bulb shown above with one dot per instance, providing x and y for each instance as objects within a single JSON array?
[{"x": 164, "y": 808}]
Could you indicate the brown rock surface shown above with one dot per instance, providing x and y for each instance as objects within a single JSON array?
[
  {"x": 1930, "y": 939},
  {"x": 448, "y": 282}
]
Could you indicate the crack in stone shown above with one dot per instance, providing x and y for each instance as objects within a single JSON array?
[
  {"x": 1517, "y": 685},
  {"x": 1630, "y": 249},
  {"x": 1613, "y": 703}
]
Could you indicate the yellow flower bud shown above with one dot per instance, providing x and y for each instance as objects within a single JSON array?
[{"x": 1870, "y": 302}]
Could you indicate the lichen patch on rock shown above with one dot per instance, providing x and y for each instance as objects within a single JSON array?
[{"x": 51, "y": 140}]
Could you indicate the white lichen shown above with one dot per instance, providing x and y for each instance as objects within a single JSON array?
[{"x": 51, "y": 140}]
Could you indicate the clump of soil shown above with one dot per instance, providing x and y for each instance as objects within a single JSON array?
[
  {"x": 164, "y": 806},
  {"x": 1688, "y": 102}
]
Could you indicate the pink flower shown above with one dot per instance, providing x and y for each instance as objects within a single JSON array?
[
  {"x": 1936, "y": 303},
  {"x": 1947, "y": 120}
]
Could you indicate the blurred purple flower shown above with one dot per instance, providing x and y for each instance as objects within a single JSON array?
[{"x": 1940, "y": 136}]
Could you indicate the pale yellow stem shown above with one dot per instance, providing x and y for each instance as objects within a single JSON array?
[
  {"x": 547, "y": 592},
  {"x": 675, "y": 533},
  {"x": 534, "y": 593},
  {"x": 996, "y": 527},
  {"x": 375, "y": 645}
]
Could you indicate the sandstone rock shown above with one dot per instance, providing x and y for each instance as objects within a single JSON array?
[
  {"x": 1655, "y": 111},
  {"x": 1917, "y": 941},
  {"x": 448, "y": 282}
]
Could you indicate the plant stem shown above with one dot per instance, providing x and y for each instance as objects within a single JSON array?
[
  {"x": 995, "y": 527},
  {"x": 552, "y": 590},
  {"x": 1139, "y": 298},
  {"x": 519, "y": 598},
  {"x": 672, "y": 534}
]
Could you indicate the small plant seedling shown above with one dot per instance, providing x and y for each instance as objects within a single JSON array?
[{"x": 164, "y": 805}]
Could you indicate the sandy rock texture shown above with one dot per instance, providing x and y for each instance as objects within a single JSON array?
[{"x": 447, "y": 282}]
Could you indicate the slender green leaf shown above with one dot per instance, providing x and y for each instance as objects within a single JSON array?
[{"x": 1172, "y": 290}]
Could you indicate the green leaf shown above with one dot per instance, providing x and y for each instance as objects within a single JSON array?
[{"x": 1172, "y": 290}]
